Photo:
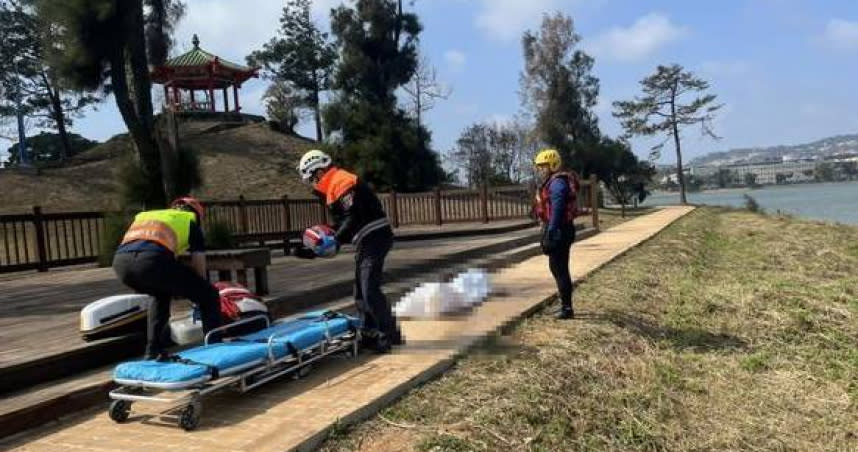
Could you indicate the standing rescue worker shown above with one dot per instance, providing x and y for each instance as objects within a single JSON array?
[
  {"x": 359, "y": 218},
  {"x": 556, "y": 208},
  {"x": 147, "y": 261}
]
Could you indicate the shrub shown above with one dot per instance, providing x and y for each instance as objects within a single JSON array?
[
  {"x": 219, "y": 235},
  {"x": 115, "y": 225},
  {"x": 752, "y": 205}
]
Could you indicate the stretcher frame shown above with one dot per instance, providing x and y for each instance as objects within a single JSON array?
[{"x": 186, "y": 401}]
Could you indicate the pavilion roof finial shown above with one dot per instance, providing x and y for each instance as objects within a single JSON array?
[{"x": 196, "y": 41}]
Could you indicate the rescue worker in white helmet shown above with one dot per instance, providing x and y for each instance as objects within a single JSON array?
[
  {"x": 359, "y": 218},
  {"x": 556, "y": 208}
]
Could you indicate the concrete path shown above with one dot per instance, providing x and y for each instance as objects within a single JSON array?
[{"x": 297, "y": 415}]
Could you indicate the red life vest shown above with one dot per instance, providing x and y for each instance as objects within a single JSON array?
[{"x": 543, "y": 198}]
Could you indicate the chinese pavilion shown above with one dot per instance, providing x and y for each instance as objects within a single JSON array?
[{"x": 198, "y": 72}]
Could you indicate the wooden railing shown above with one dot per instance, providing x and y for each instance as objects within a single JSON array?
[{"x": 44, "y": 240}]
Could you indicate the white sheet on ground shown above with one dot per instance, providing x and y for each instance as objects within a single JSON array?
[{"x": 467, "y": 290}]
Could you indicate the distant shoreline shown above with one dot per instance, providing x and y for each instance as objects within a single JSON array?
[{"x": 767, "y": 186}]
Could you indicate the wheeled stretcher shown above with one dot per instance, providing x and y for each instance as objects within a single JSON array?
[{"x": 243, "y": 363}]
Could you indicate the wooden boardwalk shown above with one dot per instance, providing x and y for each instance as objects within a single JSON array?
[{"x": 40, "y": 312}]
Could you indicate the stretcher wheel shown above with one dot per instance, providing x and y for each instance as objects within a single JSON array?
[
  {"x": 119, "y": 410},
  {"x": 189, "y": 418},
  {"x": 302, "y": 372}
]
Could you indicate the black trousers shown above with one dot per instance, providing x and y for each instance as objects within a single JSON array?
[
  {"x": 163, "y": 277},
  {"x": 375, "y": 311},
  {"x": 558, "y": 263}
]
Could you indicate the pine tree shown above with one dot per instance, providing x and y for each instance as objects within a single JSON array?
[
  {"x": 661, "y": 110},
  {"x": 301, "y": 57}
]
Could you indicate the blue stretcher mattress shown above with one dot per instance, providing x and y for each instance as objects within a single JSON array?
[{"x": 241, "y": 354}]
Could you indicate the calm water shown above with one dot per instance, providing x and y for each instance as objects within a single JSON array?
[{"x": 835, "y": 202}]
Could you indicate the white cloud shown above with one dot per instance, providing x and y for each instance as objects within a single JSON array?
[
  {"x": 465, "y": 109},
  {"x": 643, "y": 38},
  {"x": 841, "y": 34},
  {"x": 506, "y": 19},
  {"x": 455, "y": 60},
  {"x": 322, "y": 9},
  {"x": 232, "y": 30},
  {"x": 735, "y": 68},
  {"x": 498, "y": 118},
  {"x": 228, "y": 28}
]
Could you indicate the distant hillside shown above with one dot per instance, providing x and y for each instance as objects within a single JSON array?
[
  {"x": 248, "y": 159},
  {"x": 820, "y": 149}
]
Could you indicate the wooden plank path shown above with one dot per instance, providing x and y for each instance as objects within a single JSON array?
[
  {"x": 40, "y": 312},
  {"x": 298, "y": 415}
]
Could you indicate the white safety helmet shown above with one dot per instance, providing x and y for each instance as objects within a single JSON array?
[{"x": 311, "y": 161}]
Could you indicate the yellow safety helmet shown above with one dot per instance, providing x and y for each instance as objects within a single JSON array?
[{"x": 548, "y": 157}]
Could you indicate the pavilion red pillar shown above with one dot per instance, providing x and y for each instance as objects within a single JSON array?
[
  {"x": 193, "y": 101},
  {"x": 177, "y": 97},
  {"x": 211, "y": 96},
  {"x": 225, "y": 101},
  {"x": 166, "y": 96},
  {"x": 235, "y": 95}
]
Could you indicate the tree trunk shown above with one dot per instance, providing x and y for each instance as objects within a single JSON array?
[
  {"x": 675, "y": 127},
  {"x": 419, "y": 104},
  {"x": 142, "y": 137},
  {"x": 59, "y": 117},
  {"x": 317, "y": 112},
  {"x": 160, "y": 161}
]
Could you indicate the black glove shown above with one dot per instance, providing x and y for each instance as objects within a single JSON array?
[
  {"x": 302, "y": 252},
  {"x": 550, "y": 241}
]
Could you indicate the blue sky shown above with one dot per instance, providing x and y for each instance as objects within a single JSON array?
[{"x": 787, "y": 70}]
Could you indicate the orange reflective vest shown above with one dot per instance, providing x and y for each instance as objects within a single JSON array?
[{"x": 335, "y": 183}]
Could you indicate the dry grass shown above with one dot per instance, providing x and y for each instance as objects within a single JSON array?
[
  {"x": 252, "y": 160},
  {"x": 728, "y": 331}
]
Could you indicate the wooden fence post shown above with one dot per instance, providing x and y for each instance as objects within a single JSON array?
[
  {"x": 484, "y": 202},
  {"x": 438, "y": 206},
  {"x": 594, "y": 200},
  {"x": 287, "y": 214},
  {"x": 323, "y": 212},
  {"x": 40, "y": 239},
  {"x": 394, "y": 209},
  {"x": 242, "y": 214}
]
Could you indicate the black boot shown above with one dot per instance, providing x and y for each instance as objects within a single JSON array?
[
  {"x": 382, "y": 344},
  {"x": 396, "y": 338},
  {"x": 566, "y": 313}
]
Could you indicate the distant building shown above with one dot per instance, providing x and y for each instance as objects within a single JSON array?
[{"x": 791, "y": 171}]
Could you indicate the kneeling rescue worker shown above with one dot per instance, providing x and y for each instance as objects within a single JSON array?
[
  {"x": 556, "y": 208},
  {"x": 359, "y": 218},
  {"x": 147, "y": 261}
]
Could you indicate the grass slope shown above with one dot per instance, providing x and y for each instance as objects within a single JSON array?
[{"x": 730, "y": 330}]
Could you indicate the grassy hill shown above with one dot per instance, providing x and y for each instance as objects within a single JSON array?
[{"x": 235, "y": 159}]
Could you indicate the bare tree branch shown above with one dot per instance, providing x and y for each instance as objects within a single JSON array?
[{"x": 425, "y": 89}]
